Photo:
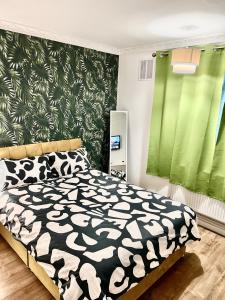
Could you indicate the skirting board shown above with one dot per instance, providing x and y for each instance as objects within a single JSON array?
[{"x": 211, "y": 224}]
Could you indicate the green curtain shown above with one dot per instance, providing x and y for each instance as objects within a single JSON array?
[{"x": 184, "y": 120}]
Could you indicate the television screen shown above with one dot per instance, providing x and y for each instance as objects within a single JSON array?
[{"x": 115, "y": 142}]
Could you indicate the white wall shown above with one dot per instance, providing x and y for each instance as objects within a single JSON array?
[{"x": 136, "y": 97}]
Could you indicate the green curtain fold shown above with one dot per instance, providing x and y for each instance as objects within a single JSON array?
[{"x": 184, "y": 121}]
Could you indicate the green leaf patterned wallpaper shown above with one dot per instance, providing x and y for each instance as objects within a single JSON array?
[{"x": 51, "y": 91}]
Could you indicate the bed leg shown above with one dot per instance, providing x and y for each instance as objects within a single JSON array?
[{"x": 28, "y": 265}]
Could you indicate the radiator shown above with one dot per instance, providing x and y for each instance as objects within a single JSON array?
[{"x": 211, "y": 212}]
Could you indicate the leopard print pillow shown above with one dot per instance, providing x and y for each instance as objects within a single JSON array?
[
  {"x": 68, "y": 162},
  {"x": 24, "y": 171}
]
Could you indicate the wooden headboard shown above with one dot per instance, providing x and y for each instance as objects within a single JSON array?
[{"x": 19, "y": 152}]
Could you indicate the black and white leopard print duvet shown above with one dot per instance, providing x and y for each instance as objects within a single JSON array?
[{"x": 95, "y": 235}]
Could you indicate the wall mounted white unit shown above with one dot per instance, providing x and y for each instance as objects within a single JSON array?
[{"x": 185, "y": 60}]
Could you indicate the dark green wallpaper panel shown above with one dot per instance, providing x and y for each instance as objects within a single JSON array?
[{"x": 51, "y": 91}]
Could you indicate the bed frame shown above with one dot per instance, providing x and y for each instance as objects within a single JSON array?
[{"x": 19, "y": 152}]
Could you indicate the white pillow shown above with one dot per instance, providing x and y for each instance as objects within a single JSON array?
[
  {"x": 23, "y": 171},
  {"x": 68, "y": 162}
]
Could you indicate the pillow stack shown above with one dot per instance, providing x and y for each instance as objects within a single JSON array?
[{"x": 14, "y": 173}]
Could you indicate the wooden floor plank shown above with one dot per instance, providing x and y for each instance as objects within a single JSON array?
[{"x": 200, "y": 275}]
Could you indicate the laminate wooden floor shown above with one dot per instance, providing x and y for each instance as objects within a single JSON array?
[{"x": 199, "y": 275}]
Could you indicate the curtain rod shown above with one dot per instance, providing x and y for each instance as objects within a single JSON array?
[{"x": 165, "y": 52}]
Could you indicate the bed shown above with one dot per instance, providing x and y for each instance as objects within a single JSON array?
[{"x": 90, "y": 235}]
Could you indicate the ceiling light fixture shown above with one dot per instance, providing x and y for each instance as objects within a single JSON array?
[{"x": 185, "y": 60}]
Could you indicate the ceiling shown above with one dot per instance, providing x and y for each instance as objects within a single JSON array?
[{"x": 114, "y": 25}]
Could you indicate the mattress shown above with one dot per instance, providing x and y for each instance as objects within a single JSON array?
[{"x": 94, "y": 235}]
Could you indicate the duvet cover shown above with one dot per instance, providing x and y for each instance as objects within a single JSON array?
[{"x": 95, "y": 235}]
